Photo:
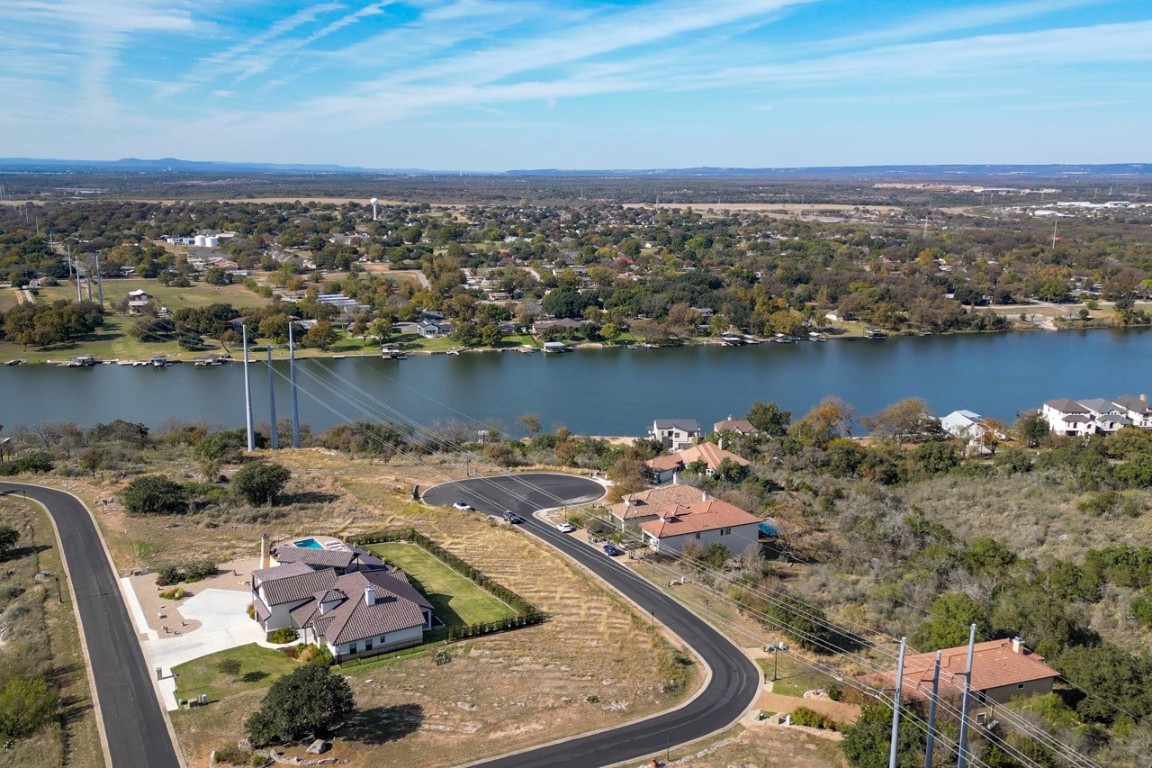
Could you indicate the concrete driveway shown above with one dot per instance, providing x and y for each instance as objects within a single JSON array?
[{"x": 224, "y": 624}]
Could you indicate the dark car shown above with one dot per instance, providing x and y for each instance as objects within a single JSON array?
[
  {"x": 612, "y": 550},
  {"x": 512, "y": 517}
]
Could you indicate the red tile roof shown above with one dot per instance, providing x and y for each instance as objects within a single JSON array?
[
  {"x": 994, "y": 665},
  {"x": 698, "y": 517}
]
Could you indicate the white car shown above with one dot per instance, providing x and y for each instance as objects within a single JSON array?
[
  {"x": 565, "y": 527},
  {"x": 462, "y": 505}
]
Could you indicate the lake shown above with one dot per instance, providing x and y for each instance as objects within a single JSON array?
[{"x": 605, "y": 392}]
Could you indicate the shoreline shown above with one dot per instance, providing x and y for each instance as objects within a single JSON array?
[{"x": 280, "y": 355}]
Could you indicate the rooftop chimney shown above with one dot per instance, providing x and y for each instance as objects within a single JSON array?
[
  {"x": 370, "y": 595},
  {"x": 264, "y": 557},
  {"x": 1143, "y": 397},
  {"x": 1018, "y": 645},
  {"x": 703, "y": 496}
]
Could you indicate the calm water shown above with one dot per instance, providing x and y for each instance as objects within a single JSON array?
[{"x": 606, "y": 392}]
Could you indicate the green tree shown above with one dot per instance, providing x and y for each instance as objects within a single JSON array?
[
  {"x": 260, "y": 483},
  {"x": 1032, "y": 428},
  {"x": 952, "y": 615},
  {"x": 309, "y": 702},
  {"x": 154, "y": 495},
  {"x": 322, "y": 336},
  {"x": 769, "y": 419},
  {"x": 866, "y": 744}
]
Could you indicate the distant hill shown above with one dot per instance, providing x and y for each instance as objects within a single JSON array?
[{"x": 177, "y": 166}]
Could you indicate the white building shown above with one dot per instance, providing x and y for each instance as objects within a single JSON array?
[{"x": 676, "y": 434}]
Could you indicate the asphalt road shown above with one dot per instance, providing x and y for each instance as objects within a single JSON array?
[
  {"x": 735, "y": 679},
  {"x": 137, "y": 733}
]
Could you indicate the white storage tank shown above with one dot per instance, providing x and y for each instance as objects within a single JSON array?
[
  {"x": 200, "y": 241},
  {"x": 211, "y": 241}
]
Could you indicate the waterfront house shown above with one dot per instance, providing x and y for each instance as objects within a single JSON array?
[
  {"x": 739, "y": 426},
  {"x": 1136, "y": 409},
  {"x": 674, "y": 515},
  {"x": 431, "y": 329},
  {"x": 1001, "y": 670},
  {"x": 663, "y": 468},
  {"x": 1075, "y": 418},
  {"x": 675, "y": 434},
  {"x": 1067, "y": 417}
]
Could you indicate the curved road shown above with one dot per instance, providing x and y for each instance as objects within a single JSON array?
[
  {"x": 135, "y": 729},
  {"x": 735, "y": 679}
]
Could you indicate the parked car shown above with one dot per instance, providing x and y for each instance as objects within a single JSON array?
[
  {"x": 612, "y": 550},
  {"x": 462, "y": 505},
  {"x": 565, "y": 527},
  {"x": 512, "y": 517}
]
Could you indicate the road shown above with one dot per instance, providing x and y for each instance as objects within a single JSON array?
[
  {"x": 735, "y": 680},
  {"x": 135, "y": 729}
]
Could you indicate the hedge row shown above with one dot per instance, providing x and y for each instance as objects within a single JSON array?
[{"x": 526, "y": 613}]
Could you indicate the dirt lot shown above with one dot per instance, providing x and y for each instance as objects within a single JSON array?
[{"x": 592, "y": 665}]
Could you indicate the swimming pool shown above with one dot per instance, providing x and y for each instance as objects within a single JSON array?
[{"x": 308, "y": 544}]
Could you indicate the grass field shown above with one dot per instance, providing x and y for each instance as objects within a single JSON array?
[
  {"x": 44, "y": 613},
  {"x": 794, "y": 678},
  {"x": 197, "y": 295},
  {"x": 259, "y": 668},
  {"x": 456, "y": 599}
]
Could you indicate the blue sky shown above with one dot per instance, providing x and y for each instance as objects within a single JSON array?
[{"x": 501, "y": 84}]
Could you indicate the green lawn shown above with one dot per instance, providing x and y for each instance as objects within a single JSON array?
[
  {"x": 196, "y": 295},
  {"x": 456, "y": 599},
  {"x": 259, "y": 668},
  {"x": 794, "y": 678}
]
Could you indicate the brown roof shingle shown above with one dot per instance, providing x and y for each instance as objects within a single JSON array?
[{"x": 994, "y": 665}]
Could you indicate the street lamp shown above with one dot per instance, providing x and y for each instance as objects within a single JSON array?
[{"x": 774, "y": 649}]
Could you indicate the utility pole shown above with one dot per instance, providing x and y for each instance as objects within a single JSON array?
[
  {"x": 896, "y": 706},
  {"x": 247, "y": 393},
  {"x": 292, "y": 375},
  {"x": 930, "y": 745},
  {"x": 962, "y": 743},
  {"x": 273, "y": 438}
]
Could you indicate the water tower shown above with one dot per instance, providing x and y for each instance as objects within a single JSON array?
[{"x": 374, "y": 201}]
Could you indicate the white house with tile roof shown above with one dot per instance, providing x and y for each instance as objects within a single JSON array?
[
  {"x": 355, "y": 614},
  {"x": 671, "y": 516}
]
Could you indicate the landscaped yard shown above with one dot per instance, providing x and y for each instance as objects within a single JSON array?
[
  {"x": 795, "y": 678},
  {"x": 259, "y": 668},
  {"x": 456, "y": 599}
]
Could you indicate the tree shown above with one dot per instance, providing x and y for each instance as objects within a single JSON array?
[
  {"x": 949, "y": 626},
  {"x": 530, "y": 423},
  {"x": 8, "y": 538},
  {"x": 1032, "y": 428},
  {"x": 908, "y": 418},
  {"x": 260, "y": 483},
  {"x": 866, "y": 743},
  {"x": 769, "y": 419},
  {"x": 154, "y": 495},
  {"x": 831, "y": 418},
  {"x": 309, "y": 702},
  {"x": 322, "y": 335}
]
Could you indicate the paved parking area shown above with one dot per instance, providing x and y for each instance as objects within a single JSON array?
[{"x": 522, "y": 493}]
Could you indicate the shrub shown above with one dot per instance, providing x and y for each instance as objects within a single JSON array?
[
  {"x": 233, "y": 756},
  {"x": 25, "y": 705},
  {"x": 260, "y": 483},
  {"x": 154, "y": 495},
  {"x": 282, "y": 635},
  {"x": 176, "y": 593},
  {"x": 228, "y": 666},
  {"x": 812, "y": 718},
  {"x": 33, "y": 462}
]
